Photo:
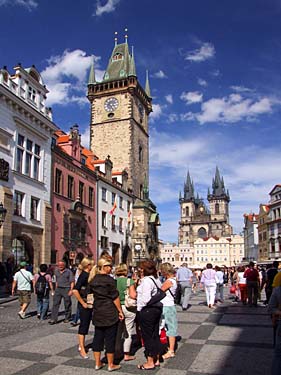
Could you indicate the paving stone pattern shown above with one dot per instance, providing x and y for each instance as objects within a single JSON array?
[{"x": 230, "y": 339}]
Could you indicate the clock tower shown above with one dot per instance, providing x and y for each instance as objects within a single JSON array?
[
  {"x": 119, "y": 117},
  {"x": 120, "y": 108}
]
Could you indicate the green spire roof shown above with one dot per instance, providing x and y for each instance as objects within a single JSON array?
[
  {"x": 147, "y": 86},
  {"x": 92, "y": 78},
  {"x": 132, "y": 68},
  {"x": 119, "y": 63}
]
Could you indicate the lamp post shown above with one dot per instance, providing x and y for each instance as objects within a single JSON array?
[
  {"x": 3, "y": 213},
  {"x": 138, "y": 252}
]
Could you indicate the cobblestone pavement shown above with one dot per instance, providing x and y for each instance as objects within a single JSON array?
[{"x": 230, "y": 339}]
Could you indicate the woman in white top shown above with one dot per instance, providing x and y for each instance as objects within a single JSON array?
[
  {"x": 169, "y": 309},
  {"x": 242, "y": 284},
  {"x": 149, "y": 316},
  {"x": 209, "y": 279}
]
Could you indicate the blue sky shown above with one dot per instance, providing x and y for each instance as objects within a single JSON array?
[{"x": 215, "y": 78}]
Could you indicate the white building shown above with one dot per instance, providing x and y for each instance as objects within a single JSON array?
[
  {"x": 114, "y": 213},
  {"x": 251, "y": 237},
  {"x": 274, "y": 223},
  {"x": 26, "y": 130},
  {"x": 223, "y": 251}
]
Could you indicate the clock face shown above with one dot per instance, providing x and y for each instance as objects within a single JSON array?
[
  {"x": 140, "y": 110},
  {"x": 111, "y": 104}
]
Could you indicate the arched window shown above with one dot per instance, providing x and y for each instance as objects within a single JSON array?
[
  {"x": 202, "y": 233},
  {"x": 141, "y": 191},
  {"x": 217, "y": 208},
  {"x": 187, "y": 211},
  {"x": 117, "y": 56}
]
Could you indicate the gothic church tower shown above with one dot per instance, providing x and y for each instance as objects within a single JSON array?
[{"x": 119, "y": 117}]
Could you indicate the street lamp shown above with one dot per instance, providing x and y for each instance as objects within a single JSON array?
[
  {"x": 138, "y": 251},
  {"x": 3, "y": 213}
]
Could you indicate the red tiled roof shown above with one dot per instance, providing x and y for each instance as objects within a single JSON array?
[{"x": 251, "y": 217}]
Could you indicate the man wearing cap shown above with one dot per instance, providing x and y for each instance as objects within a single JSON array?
[
  {"x": 64, "y": 288},
  {"x": 22, "y": 281}
]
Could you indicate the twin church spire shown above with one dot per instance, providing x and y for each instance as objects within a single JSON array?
[{"x": 218, "y": 189}]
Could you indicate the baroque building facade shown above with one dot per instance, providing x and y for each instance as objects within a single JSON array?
[
  {"x": 119, "y": 128},
  {"x": 199, "y": 221},
  {"x": 26, "y": 130},
  {"x": 74, "y": 190},
  {"x": 274, "y": 223}
]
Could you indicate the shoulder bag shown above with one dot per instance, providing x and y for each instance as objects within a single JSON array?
[
  {"x": 155, "y": 301},
  {"x": 130, "y": 303}
]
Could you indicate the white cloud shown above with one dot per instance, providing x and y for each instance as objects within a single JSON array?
[
  {"x": 232, "y": 109},
  {"x": 169, "y": 98},
  {"x": 108, "y": 7},
  {"x": 241, "y": 89},
  {"x": 205, "y": 52},
  {"x": 173, "y": 117},
  {"x": 202, "y": 82},
  {"x": 28, "y": 4},
  {"x": 157, "y": 111},
  {"x": 160, "y": 75},
  {"x": 85, "y": 137},
  {"x": 191, "y": 97},
  {"x": 66, "y": 75}
]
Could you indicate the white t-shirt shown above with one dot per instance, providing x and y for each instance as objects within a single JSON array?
[
  {"x": 169, "y": 299},
  {"x": 23, "y": 278},
  {"x": 242, "y": 279}
]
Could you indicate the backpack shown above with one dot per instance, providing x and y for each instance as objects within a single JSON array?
[{"x": 41, "y": 286}]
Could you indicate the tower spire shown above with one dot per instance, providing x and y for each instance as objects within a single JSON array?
[
  {"x": 116, "y": 38},
  {"x": 132, "y": 68},
  {"x": 92, "y": 77},
  {"x": 147, "y": 86},
  {"x": 126, "y": 35}
]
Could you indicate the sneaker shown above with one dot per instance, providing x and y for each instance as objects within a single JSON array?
[
  {"x": 51, "y": 322},
  {"x": 21, "y": 314},
  {"x": 66, "y": 321},
  {"x": 38, "y": 316}
]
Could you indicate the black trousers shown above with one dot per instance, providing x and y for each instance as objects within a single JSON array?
[
  {"x": 105, "y": 336},
  {"x": 149, "y": 319},
  {"x": 85, "y": 319}
]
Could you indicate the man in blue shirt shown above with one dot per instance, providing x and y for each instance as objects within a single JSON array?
[{"x": 184, "y": 278}]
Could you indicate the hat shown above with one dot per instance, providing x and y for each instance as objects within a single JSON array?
[{"x": 23, "y": 264}]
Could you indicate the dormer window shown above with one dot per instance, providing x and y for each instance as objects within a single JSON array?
[
  {"x": 31, "y": 94},
  {"x": 117, "y": 56}
]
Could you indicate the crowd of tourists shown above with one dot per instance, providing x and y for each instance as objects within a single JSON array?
[{"x": 122, "y": 303}]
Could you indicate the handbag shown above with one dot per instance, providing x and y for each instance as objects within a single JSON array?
[
  {"x": 156, "y": 298},
  {"x": 130, "y": 303},
  {"x": 232, "y": 290}
]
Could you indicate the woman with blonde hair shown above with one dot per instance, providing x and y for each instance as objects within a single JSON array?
[
  {"x": 169, "y": 308},
  {"x": 81, "y": 293},
  {"x": 106, "y": 314},
  {"x": 124, "y": 286}
]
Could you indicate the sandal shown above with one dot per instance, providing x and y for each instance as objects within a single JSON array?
[
  {"x": 168, "y": 355},
  {"x": 141, "y": 367}
]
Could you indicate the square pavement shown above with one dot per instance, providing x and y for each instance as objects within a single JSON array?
[{"x": 229, "y": 340}]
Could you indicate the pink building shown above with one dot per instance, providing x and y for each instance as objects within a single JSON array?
[{"x": 74, "y": 212}]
